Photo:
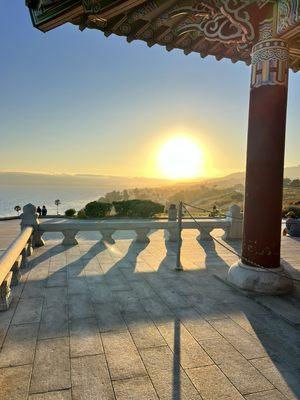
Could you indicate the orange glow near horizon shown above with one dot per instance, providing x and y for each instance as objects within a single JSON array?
[{"x": 180, "y": 158}]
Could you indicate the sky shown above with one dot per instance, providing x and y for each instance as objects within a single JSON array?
[{"x": 78, "y": 102}]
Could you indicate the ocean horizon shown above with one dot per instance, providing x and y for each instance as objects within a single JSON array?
[{"x": 71, "y": 197}]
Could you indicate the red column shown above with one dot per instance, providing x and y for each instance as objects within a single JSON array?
[{"x": 265, "y": 154}]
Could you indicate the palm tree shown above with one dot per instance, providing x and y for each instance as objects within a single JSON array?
[
  {"x": 18, "y": 209},
  {"x": 57, "y": 203}
]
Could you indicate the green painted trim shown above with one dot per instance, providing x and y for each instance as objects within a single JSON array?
[{"x": 38, "y": 17}]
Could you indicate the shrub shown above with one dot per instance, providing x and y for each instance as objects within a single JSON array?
[
  {"x": 81, "y": 214},
  {"x": 70, "y": 212},
  {"x": 96, "y": 209},
  {"x": 137, "y": 208}
]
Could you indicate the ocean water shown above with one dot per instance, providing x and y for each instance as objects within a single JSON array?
[{"x": 71, "y": 197}]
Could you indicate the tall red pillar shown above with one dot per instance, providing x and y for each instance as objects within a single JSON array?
[
  {"x": 265, "y": 154},
  {"x": 264, "y": 172}
]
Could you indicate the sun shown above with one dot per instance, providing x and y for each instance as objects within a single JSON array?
[{"x": 180, "y": 158}]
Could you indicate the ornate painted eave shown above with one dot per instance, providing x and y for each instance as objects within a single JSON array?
[{"x": 220, "y": 28}]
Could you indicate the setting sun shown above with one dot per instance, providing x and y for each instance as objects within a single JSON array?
[{"x": 180, "y": 157}]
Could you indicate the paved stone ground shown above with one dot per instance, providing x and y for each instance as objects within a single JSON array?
[
  {"x": 8, "y": 232},
  {"x": 108, "y": 322}
]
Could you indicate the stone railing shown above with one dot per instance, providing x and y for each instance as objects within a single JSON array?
[
  {"x": 15, "y": 256},
  {"x": 232, "y": 226}
]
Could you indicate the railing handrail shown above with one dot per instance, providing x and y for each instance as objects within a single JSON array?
[
  {"x": 11, "y": 254},
  {"x": 125, "y": 225}
]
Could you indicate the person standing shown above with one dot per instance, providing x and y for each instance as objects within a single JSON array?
[{"x": 44, "y": 211}]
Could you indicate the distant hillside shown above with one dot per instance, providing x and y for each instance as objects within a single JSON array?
[
  {"x": 26, "y": 178},
  {"x": 206, "y": 193},
  {"x": 32, "y": 179}
]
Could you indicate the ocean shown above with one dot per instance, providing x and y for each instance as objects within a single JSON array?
[{"x": 71, "y": 197}]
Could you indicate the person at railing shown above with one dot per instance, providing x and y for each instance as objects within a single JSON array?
[
  {"x": 215, "y": 212},
  {"x": 39, "y": 210},
  {"x": 292, "y": 225},
  {"x": 44, "y": 211}
]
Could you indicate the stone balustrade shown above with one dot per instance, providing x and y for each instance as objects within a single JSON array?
[
  {"x": 15, "y": 256},
  {"x": 232, "y": 226}
]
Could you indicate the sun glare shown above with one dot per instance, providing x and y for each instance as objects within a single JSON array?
[{"x": 179, "y": 158}]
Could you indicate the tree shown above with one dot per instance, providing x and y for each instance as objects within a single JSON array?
[
  {"x": 57, "y": 203},
  {"x": 70, "y": 212},
  {"x": 125, "y": 195},
  {"x": 97, "y": 209},
  {"x": 18, "y": 209}
]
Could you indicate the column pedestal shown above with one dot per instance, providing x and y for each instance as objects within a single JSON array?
[
  {"x": 264, "y": 173},
  {"x": 266, "y": 281}
]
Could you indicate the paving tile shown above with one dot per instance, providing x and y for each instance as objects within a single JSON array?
[
  {"x": 109, "y": 317},
  {"x": 80, "y": 306},
  {"x": 122, "y": 356},
  {"x": 245, "y": 343},
  {"x": 5, "y": 319},
  {"x": 219, "y": 350},
  {"x": 51, "y": 370},
  {"x": 57, "y": 279},
  {"x": 19, "y": 345},
  {"x": 90, "y": 379},
  {"x": 157, "y": 359},
  {"x": 145, "y": 334},
  {"x": 172, "y": 298},
  {"x": 285, "y": 381},
  {"x": 78, "y": 285},
  {"x": 244, "y": 377},
  {"x": 196, "y": 325},
  {"x": 282, "y": 308},
  {"x": 14, "y": 382},
  {"x": 212, "y": 384},
  {"x": 55, "y": 296},
  {"x": 54, "y": 322},
  {"x": 141, "y": 288},
  {"x": 85, "y": 338},
  {"x": 177, "y": 386},
  {"x": 100, "y": 293},
  {"x": 135, "y": 389},
  {"x": 33, "y": 289},
  {"x": 236, "y": 367},
  {"x": 267, "y": 395},
  {"x": 28, "y": 311},
  {"x": 61, "y": 395},
  {"x": 184, "y": 345},
  {"x": 157, "y": 309},
  {"x": 143, "y": 330}
]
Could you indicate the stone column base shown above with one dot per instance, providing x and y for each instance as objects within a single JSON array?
[{"x": 260, "y": 280}]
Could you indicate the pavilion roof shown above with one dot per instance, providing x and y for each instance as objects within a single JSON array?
[{"x": 221, "y": 28}]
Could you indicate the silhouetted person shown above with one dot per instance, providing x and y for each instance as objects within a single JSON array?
[
  {"x": 292, "y": 225},
  {"x": 214, "y": 213},
  {"x": 39, "y": 211},
  {"x": 44, "y": 211}
]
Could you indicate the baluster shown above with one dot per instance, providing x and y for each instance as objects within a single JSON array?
[
  {"x": 69, "y": 237},
  {"x": 173, "y": 234},
  {"x": 5, "y": 292},
  {"x": 204, "y": 234},
  {"x": 24, "y": 259},
  {"x": 107, "y": 235},
  {"x": 142, "y": 235},
  {"x": 16, "y": 274}
]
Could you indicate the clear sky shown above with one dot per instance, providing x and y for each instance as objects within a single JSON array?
[{"x": 77, "y": 102}]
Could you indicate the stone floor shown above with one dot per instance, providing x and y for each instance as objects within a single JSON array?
[{"x": 103, "y": 322}]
